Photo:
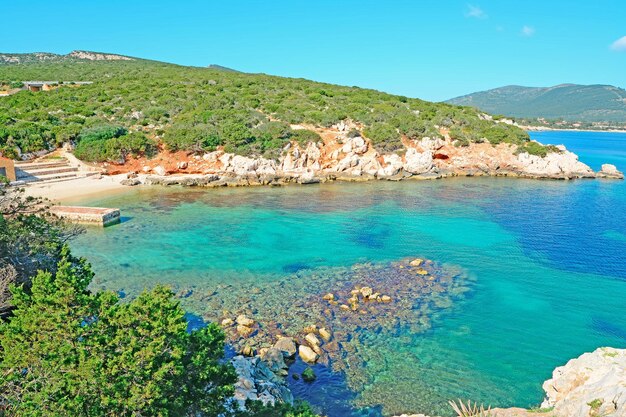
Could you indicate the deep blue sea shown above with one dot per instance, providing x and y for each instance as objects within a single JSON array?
[{"x": 546, "y": 261}]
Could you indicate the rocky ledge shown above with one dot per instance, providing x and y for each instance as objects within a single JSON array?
[
  {"x": 344, "y": 154},
  {"x": 591, "y": 385}
]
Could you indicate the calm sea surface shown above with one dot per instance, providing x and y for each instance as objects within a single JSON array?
[{"x": 547, "y": 261}]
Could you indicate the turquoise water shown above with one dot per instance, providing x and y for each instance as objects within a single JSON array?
[{"x": 547, "y": 261}]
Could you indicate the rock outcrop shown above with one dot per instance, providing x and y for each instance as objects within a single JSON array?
[
  {"x": 593, "y": 384},
  {"x": 343, "y": 154},
  {"x": 610, "y": 171},
  {"x": 257, "y": 382}
]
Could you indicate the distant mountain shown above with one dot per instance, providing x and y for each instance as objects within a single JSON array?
[
  {"x": 221, "y": 68},
  {"x": 73, "y": 56},
  {"x": 585, "y": 103}
]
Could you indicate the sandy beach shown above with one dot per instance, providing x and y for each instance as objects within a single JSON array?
[{"x": 61, "y": 192}]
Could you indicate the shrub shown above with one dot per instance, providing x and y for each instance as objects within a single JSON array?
[
  {"x": 100, "y": 147},
  {"x": 304, "y": 136},
  {"x": 384, "y": 137},
  {"x": 99, "y": 357}
]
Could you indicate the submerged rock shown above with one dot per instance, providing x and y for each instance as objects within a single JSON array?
[{"x": 307, "y": 354}]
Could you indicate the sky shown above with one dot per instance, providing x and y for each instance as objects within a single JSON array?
[{"x": 434, "y": 50}]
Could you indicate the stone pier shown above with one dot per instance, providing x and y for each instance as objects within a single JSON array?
[{"x": 97, "y": 216}]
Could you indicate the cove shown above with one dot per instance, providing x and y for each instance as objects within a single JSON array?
[{"x": 545, "y": 260}]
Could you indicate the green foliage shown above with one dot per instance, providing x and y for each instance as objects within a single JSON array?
[
  {"x": 30, "y": 240},
  {"x": 536, "y": 148},
  {"x": 199, "y": 109},
  {"x": 384, "y": 136},
  {"x": 469, "y": 409},
  {"x": 304, "y": 136},
  {"x": 257, "y": 409},
  {"x": 67, "y": 351},
  {"x": 111, "y": 143}
]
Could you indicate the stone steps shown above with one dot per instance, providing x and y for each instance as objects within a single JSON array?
[
  {"x": 45, "y": 171},
  {"x": 27, "y": 165}
]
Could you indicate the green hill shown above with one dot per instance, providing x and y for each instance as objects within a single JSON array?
[
  {"x": 585, "y": 103},
  {"x": 133, "y": 102}
]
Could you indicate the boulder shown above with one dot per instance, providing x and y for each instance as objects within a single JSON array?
[
  {"x": 274, "y": 359},
  {"x": 312, "y": 340},
  {"x": 244, "y": 331},
  {"x": 325, "y": 334},
  {"x": 227, "y": 322},
  {"x": 307, "y": 354},
  {"x": 159, "y": 170},
  {"x": 244, "y": 321},
  {"x": 182, "y": 165},
  {"x": 287, "y": 346},
  {"x": 130, "y": 182}
]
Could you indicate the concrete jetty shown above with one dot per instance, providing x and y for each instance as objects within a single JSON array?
[{"x": 97, "y": 216}]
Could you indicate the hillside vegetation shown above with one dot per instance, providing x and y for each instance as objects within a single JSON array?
[
  {"x": 584, "y": 103},
  {"x": 133, "y": 103}
]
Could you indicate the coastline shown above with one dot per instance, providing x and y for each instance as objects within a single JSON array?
[
  {"x": 553, "y": 129},
  {"x": 68, "y": 191}
]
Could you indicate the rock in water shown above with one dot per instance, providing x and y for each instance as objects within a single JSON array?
[
  {"x": 307, "y": 354},
  {"x": 593, "y": 384},
  {"x": 325, "y": 334},
  {"x": 312, "y": 340},
  {"x": 244, "y": 321},
  {"x": 287, "y": 346},
  {"x": 308, "y": 375},
  {"x": 610, "y": 171}
]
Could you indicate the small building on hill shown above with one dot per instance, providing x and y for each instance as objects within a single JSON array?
[{"x": 7, "y": 168}]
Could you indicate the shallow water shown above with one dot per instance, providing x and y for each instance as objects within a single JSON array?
[{"x": 547, "y": 259}]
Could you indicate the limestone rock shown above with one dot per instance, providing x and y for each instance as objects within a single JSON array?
[
  {"x": 416, "y": 162},
  {"x": 227, "y": 322},
  {"x": 159, "y": 170},
  {"x": 244, "y": 321},
  {"x": 593, "y": 384},
  {"x": 312, "y": 340},
  {"x": 130, "y": 182},
  {"x": 609, "y": 171},
  {"x": 307, "y": 354},
  {"x": 325, "y": 334},
  {"x": 287, "y": 346},
  {"x": 563, "y": 164},
  {"x": 244, "y": 331}
]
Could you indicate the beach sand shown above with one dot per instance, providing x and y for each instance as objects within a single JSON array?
[{"x": 68, "y": 191}]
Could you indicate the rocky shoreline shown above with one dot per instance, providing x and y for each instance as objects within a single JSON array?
[
  {"x": 343, "y": 154},
  {"x": 591, "y": 385}
]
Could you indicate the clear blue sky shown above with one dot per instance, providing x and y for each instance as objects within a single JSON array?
[{"x": 429, "y": 49}]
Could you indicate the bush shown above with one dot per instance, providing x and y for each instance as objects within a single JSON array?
[
  {"x": 99, "y": 357},
  {"x": 112, "y": 143},
  {"x": 536, "y": 148},
  {"x": 304, "y": 136},
  {"x": 384, "y": 137}
]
